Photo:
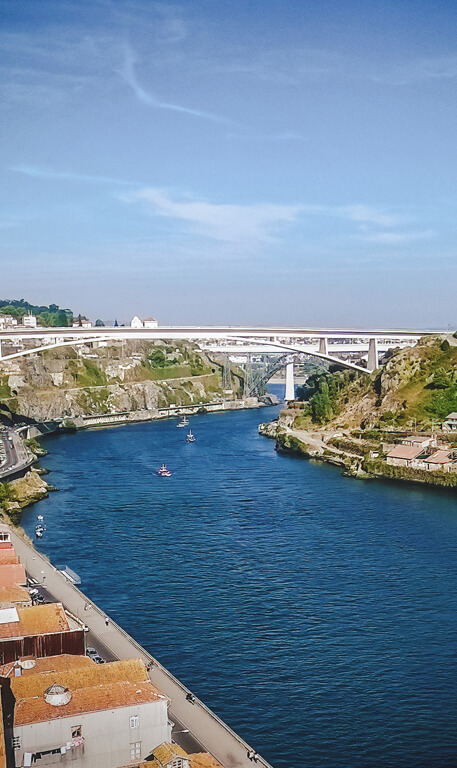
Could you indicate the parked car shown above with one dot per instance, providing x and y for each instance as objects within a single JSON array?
[
  {"x": 98, "y": 659},
  {"x": 91, "y": 651}
]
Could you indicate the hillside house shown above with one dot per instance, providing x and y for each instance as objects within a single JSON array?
[{"x": 450, "y": 423}]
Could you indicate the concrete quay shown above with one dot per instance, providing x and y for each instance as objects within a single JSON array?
[{"x": 198, "y": 722}]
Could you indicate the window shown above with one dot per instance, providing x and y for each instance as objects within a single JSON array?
[
  {"x": 135, "y": 721},
  {"x": 76, "y": 730},
  {"x": 16, "y": 742},
  {"x": 135, "y": 750}
]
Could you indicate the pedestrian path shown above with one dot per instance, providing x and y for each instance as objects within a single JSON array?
[{"x": 212, "y": 734}]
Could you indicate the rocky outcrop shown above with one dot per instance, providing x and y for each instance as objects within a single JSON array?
[{"x": 110, "y": 378}]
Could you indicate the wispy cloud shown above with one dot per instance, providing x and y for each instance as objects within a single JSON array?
[
  {"x": 417, "y": 70},
  {"x": 46, "y": 173},
  {"x": 399, "y": 238},
  {"x": 219, "y": 221},
  {"x": 127, "y": 72}
]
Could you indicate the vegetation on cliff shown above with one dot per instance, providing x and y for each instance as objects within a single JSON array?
[{"x": 416, "y": 386}]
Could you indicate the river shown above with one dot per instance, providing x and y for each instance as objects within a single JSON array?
[{"x": 316, "y": 614}]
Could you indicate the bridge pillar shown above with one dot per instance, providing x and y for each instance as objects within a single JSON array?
[
  {"x": 323, "y": 346},
  {"x": 373, "y": 355},
  {"x": 290, "y": 384},
  {"x": 0, "y": 347}
]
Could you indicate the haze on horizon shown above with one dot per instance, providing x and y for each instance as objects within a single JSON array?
[{"x": 270, "y": 161}]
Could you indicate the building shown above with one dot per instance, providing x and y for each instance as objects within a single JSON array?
[
  {"x": 29, "y": 321},
  {"x": 168, "y": 755},
  {"x": 39, "y": 630},
  {"x": 7, "y": 321},
  {"x": 440, "y": 460},
  {"x": 12, "y": 574},
  {"x": 404, "y": 455},
  {"x": 450, "y": 423},
  {"x": 419, "y": 441},
  {"x": 148, "y": 322},
  {"x": 88, "y": 714},
  {"x": 14, "y": 596},
  {"x": 81, "y": 322}
]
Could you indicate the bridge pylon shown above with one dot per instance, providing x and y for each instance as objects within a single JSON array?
[{"x": 290, "y": 383}]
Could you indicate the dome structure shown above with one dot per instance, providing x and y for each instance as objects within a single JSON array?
[{"x": 57, "y": 695}]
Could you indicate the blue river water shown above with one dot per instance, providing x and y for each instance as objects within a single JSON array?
[{"x": 316, "y": 614}]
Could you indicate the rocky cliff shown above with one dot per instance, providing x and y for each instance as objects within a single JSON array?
[{"x": 110, "y": 377}]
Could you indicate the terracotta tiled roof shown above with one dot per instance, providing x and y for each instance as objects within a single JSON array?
[
  {"x": 14, "y": 594},
  {"x": 439, "y": 457},
  {"x": 8, "y": 556},
  {"x": 36, "y": 620},
  {"x": 166, "y": 753},
  {"x": 12, "y": 573},
  {"x": 90, "y": 699},
  {"x": 204, "y": 760},
  {"x": 80, "y": 676},
  {"x": 49, "y": 664},
  {"x": 404, "y": 452}
]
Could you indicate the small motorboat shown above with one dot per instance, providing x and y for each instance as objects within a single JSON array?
[
  {"x": 40, "y": 518},
  {"x": 39, "y": 530},
  {"x": 190, "y": 437},
  {"x": 163, "y": 471},
  {"x": 183, "y": 423}
]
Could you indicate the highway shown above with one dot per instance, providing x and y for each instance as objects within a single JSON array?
[
  {"x": 16, "y": 456},
  {"x": 195, "y": 724}
]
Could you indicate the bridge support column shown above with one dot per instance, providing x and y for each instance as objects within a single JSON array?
[
  {"x": 290, "y": 384},
  {"x": 373, "y": 355},
  {"x": 0, "y": 347},
  {"x": 323, "y": 346}
]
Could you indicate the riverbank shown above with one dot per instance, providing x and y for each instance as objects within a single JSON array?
[
  {"x": 211, "y": 733},
  {"x": 30, "y": 487},
  {"x": 358, "y": 458}
]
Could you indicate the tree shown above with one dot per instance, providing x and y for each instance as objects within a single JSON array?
[
  {"x": 440, "y": 379},
  {"x": 99, "y": 324}
]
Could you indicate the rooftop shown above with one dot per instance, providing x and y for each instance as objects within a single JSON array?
[
  {"x": 89, "y": 699},
  {"x": 12, "y": 573},
  {"x": 79, "y": 676},
  {"x": 165, "y": 754},
  {"x": 405, "y": 452},
  {"x": 49, "y": 664},
  {"x": 439, "y": 457},
  {"x": 36, "y": 620},
  {"x": 13, "y": 594},
  {"x": 452, "y": 415}
]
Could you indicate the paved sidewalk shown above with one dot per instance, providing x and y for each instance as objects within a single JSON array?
[{"x": 203, "y": 725}]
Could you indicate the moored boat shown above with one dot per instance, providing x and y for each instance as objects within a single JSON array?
[
  {"x": 190, "y": 437},
  {"x": 163, "y": 471},
  {"x": 183, "y": 423}
]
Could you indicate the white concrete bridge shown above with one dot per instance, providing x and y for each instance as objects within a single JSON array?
[{"x": 345, "y": 346}]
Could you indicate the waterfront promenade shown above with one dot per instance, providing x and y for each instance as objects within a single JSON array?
[{"x": 203, "y": 725}]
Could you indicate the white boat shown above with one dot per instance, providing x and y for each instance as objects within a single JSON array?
[
  {"x": 190, "y": 437},
  {"x": 163, "y": 471},
  {"x": 39, "y": 530},
  {"x": 183, "y": 423},
  {"x": 40, "y": 518}
]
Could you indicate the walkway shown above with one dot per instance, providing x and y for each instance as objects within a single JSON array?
[{"x": 214, "y": 735}]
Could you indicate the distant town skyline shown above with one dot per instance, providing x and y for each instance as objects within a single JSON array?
[{"x": 266, "y": 162}]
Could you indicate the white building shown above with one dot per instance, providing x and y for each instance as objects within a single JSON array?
[
  {"x": 29, "y": 321},
  {"x": 147, "y": 322},
  {"x": 82, "y": 323},
  {"x": 88, "y": 714},
  {"x": 7, "y": 321}
]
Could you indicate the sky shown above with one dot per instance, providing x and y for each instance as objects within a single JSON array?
[{"x": 285, "y": 162}]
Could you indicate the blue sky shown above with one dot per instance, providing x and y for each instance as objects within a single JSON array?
[{"x": 251, "y": 161}]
